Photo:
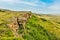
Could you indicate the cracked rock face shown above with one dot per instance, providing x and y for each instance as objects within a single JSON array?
[{"x": 19, "y": 22}]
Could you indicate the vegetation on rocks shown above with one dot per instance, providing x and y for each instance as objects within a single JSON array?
[{"x": 22, "y": 25}]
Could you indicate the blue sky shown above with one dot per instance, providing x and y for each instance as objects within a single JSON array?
[{"x": 38, "y": 6}]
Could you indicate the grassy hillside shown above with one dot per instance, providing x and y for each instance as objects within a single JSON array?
[{"x": 38, "y": 27}]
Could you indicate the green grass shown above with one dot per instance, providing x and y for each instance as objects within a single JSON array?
[
  {"x": 35, "y": 31},
  {"x": 37, "y": 27},
  {"x": 11, "y": 38}
]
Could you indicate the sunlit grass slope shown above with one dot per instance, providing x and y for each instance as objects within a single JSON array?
[{"x": 38, "y": 27}]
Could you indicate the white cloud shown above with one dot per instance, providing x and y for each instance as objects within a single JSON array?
[
  {"x": 33, "y": 3},
  {"x": 7, "y": 1},
  {"x": 10, "y": 2},
  {"x": 55, "y": 6},
  {"x": 28, "y": 3},
  {"x": 18, "y": 1}
]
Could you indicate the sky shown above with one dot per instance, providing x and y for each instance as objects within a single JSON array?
[{"x": 37, "y": 6}]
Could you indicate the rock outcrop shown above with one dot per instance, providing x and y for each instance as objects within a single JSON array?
[{"x": 19, "y": 22}]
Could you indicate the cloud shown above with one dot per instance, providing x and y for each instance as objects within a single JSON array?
[
  {"x": 32, "y": 3},
  {"x": 28, "y": 3},
  {"x": 7, "y": 1},
  {"x": 12, "y": 2},
  {"x": 55, "y": 5}
]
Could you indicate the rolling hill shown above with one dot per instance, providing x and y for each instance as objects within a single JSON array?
[{"x": 25, "y": 25}]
